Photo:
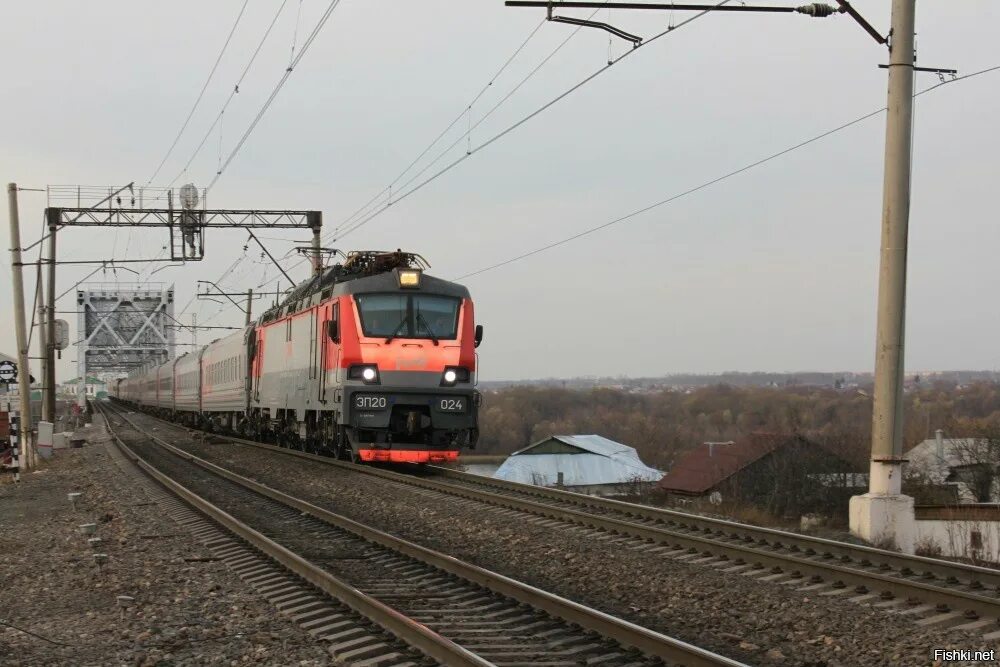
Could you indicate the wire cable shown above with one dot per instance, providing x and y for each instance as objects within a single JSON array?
[
  {"x": 235, "y": 91},
  {"x": 201, "y": 94},
  {"x": 710, "y": 183},
  {"x": 452, "y": 124},
  {"x": 231, "y": 267},
  {"x": 487, "y": 86},
  {"x": 274, "y": 93},
  {"x": 363, "y": 221},
  {"x": 281, "y": 82},
  {"x": 336, "y": 233}
]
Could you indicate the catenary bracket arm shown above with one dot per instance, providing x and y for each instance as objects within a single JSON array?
[{"x": 635, "y": 39}]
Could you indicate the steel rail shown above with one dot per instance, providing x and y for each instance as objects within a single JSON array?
[
  {"x": 940, "y": 568},
  {"x": 624, "y": 632},
  {"x": 407, "y": 630},
  {"x": 758, "y": 556},
  {"x": 755, "y": 557},
  {"x": 977, "y": 576}
]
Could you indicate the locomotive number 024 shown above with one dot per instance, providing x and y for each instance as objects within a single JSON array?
[
  {"x": 452, "y": 405},
  {"x": 367, "y": 402}
]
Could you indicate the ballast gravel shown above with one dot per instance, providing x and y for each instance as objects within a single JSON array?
[
  {"x": 58, "y": 608},
  {"x": 735, "y": 615}
]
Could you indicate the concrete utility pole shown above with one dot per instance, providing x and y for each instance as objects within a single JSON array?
[
  {"x": 49, "y": 397},
  {"x": 43, "y": 338},
  {"x": 23, "y": 369},
  {"x": 884, "y": 514}
]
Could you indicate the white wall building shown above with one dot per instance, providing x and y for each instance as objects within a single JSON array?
[
  {"x": 583, "y": 463},
  {"x": 951, "y": 462}
]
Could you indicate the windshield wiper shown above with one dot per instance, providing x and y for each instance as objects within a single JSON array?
[
  {"x": 422, "y": 320},
  {"x": 395, "y": 331}
]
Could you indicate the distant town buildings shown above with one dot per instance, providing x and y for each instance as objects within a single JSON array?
[{"x": 95, "y": 387}]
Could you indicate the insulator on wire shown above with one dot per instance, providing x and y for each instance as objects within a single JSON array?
[{"x": 817, "y": 9}]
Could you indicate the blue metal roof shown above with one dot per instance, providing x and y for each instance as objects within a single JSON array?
[{"x": 602, "y": 461}]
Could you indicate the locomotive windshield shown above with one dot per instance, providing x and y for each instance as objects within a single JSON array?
[{"x": 408, "y": 315}]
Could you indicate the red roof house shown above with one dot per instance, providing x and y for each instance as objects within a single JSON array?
[{"x": 784, "y": 474}]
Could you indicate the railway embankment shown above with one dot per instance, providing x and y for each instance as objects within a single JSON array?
[
  {"x": 158, "y": 596},
  {"x": 741, "y": 615}
]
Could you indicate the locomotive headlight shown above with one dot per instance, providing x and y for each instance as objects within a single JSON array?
[
  {"x": 367, "y": 373},
  {"x": 453, "y": 375},
  {"x": 409, "y": 278}
]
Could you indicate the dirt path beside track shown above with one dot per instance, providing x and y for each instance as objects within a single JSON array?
[{"x": 188, "y": 608}]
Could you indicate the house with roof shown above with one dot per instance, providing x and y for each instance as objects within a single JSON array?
[
  {"x": 589, "y": 464},
  {"x": 783, "y": 474},
  {"x": 95, "y": 387},
  {"x": 962, "y": 470}
]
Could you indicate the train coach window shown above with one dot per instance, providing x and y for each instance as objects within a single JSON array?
[{"x": 408, "y": 315}]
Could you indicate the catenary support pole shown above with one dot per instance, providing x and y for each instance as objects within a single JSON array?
[
  {"x": 50, "y": 311},
  {"x": 23, "y": 369},
  {"x": 43, "y": 337},
  {"x": 883, "y": 514},
  {"x": 249, "y": 306},
  {"x": 317, "y": 255}
]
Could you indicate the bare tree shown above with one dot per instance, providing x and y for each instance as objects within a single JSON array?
[{"x": 976, "y": 460}]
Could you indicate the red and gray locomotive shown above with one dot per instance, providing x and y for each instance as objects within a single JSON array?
[{"x": 370, "y": 360}]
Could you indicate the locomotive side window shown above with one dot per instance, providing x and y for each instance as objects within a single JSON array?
[{"x": 408, "y": 315}]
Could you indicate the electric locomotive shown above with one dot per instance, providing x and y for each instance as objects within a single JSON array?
[{"x": 370, "y": 360}]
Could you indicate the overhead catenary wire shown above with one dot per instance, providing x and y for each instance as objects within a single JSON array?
[
  {"x": 277, "y": 88},
  {"x": 365, "y": 220},
  {"x": 468, "y": 133},
  {"x": 707, "y": 184},
  {"x": 433, "y": 143},
  {"x": 482, "y": 91},
  {"x": 201, "y": 94},
  {"x": 341, "y": 231},
  {"x": 274, "y": 93},
  {"x": 465, "y": 112},
  {"x": 233, "y": 93},
  {"x": 230, "y": 268}
]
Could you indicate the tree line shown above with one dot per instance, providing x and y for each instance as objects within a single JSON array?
[{"x": 663, "y": 424}]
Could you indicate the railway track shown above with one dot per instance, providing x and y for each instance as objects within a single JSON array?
[
  {"x": 933, "y": 592},
  {"x": 448, "y": 610}
]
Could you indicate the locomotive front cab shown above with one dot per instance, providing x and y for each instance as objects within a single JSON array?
[{"x": 408, "y": 391}]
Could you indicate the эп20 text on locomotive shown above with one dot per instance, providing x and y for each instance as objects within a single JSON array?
[{"x": 370, "y": 360}]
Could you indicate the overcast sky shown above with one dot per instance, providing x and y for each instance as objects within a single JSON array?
[{"x": 774, "y": 269}]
